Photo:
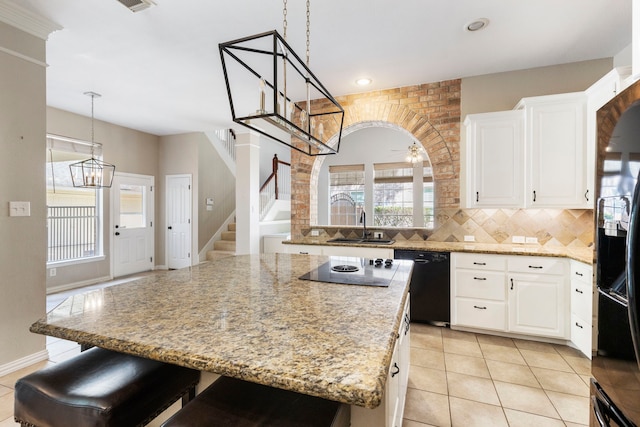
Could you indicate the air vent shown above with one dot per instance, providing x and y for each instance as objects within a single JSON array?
[{"x": 137, "y": 5}]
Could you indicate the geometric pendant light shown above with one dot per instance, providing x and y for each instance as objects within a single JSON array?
[{"x": 92, "y": 173}]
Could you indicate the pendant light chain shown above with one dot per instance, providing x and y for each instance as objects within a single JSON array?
[
  {"x": 92, "y": 133},
  {"x": 308, "y": 30},
  {"x": 284, "y": 19}
]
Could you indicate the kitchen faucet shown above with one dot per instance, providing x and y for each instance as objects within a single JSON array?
[{"x": 363, "y": 221}]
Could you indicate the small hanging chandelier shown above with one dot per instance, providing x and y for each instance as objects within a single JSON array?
[
  {"x": 92, "y": 173},
  {"x": 415, "y": 153},
  {"x": 264, "y": 77}
]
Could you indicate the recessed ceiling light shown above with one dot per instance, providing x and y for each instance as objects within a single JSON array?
[
  {"x": 364, "y": 81},
  {"x": 477, "y": 25}
]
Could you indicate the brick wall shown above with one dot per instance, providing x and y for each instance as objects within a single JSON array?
[{"x": 430, "y": 112}]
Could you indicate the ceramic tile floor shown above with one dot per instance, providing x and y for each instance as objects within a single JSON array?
[{"x": 456, "y": 379}]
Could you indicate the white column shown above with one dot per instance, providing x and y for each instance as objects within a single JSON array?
[
  {"x": 247, "y": 194},
  {"x": 635, "y": 42}
]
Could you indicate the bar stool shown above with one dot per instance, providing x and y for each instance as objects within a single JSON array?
[{"x": 101, "y": 388}]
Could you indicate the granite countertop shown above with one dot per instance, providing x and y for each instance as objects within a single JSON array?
[
  {"x": 579, "y": 254},
  {"x": 249, "y": 317}
]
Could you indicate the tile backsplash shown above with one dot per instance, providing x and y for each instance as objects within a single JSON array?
[{"x": 551, "y": 227}]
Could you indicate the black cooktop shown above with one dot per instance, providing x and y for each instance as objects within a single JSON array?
[{"x": 354, "y": 271}]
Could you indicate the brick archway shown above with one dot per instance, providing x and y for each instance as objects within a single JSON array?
[{"x": 430, "y": 113}]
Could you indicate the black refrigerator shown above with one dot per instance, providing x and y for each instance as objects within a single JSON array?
[{"x": 615, "y": 383}]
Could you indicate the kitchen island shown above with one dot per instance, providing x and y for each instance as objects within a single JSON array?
[{"x": 250, "y": 317}]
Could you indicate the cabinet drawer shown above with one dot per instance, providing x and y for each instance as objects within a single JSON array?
[
  {"x": 479, "y": 261},
  {"x": 480, "y": 284},
  {"x": 582, "y": 272},
  {"x": 480, "y": 314},
  {"x": 581, "y": 335},
  {"x": 581, "y": 299},
  {"x": 539, "y": 265}
]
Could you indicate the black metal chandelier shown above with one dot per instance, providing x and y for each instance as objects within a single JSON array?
[
  {"x": 271, "y": 90},
  {"x": 92, "y": 173}
]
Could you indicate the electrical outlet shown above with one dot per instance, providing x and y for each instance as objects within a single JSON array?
[
  {"x": 469, "y": 238},
  {"x": 517, "y": 239},
  {"x": 377, "y": 234},
  {"x": 315, "y": 233},
  {"x": 52, "y": 272},
  {"x": 532, "y": 240}
]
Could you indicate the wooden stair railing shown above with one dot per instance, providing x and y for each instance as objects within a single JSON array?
[{"x": 277, "y": 184}]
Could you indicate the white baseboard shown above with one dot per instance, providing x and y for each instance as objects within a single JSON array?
[
  {"x": 23, "y": 362},
  {"x": 160, "y": 267},
  {"x": 69, "y": 286}
]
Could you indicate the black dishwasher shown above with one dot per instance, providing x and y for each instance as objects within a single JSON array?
[{"x": 430, "y": 295}]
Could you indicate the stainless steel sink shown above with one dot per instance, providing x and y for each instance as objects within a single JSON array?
[{"x": 359, "y": 241}]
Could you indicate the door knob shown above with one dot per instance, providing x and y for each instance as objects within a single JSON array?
[
  {"x": 169, "y": 227},
  {"x": 117, "y": 233},
  {"x": 117, "y": 226}
]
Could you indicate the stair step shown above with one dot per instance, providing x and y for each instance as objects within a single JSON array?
[
  {"x": 231, "y": 227},
  {"x": 213, "y": 255},
  {"x": 224, "y": 245},
  {"x": 229, "y": 235}
]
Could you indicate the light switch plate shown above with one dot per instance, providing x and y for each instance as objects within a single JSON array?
[
  {"x": 532, "y": 240},
  {"x": 469, "y": 238},
  {"x": 315, "y": 233},
  {"x": 517, "y": 239},
  {"x": 19, "y": 208}
]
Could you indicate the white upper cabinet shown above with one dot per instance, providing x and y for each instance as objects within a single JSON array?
[
  {"x": 495, "y": 148},
  {"x": 555, "y": 135}
]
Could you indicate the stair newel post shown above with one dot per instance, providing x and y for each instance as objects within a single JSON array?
[{"x": 274, "y": 170}]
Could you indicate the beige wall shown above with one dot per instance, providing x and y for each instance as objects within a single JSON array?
[
  {"x": 22, "y": 142},
  {"x": 129, "y": 150}
]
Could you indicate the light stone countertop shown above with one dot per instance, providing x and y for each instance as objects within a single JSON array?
[
  {"x": 249, "y": 317},
  {"x": 585, "y": 255}
]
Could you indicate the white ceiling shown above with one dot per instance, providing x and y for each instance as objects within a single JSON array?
[{"x": 159, "y": 70}]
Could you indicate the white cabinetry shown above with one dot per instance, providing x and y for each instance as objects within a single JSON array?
[
  {"x": 304, "y": 249},
  {"x": 391, "y": 410},
  {"x": 495, "y": 170},
  {"x": 556, "y": 156},
  {"x": 347, "y": 251},
  {"x": 537, "y": 302},
  {"x": 521, "y": 295},
  {"x": 581, "y": 306}
]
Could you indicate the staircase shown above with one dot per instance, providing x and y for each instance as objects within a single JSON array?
[{"x": 226, "y": 246}]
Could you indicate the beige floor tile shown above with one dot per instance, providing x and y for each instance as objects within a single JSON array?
[
  {"x": 427, "y": 379},
  {"x": 495, "y": 340},
  {"x": 567, "y": 351},
  {"x": 6, "y": 406},
  {"x": 466, "y": 348},
  {"x": 5, "y": 390},
  {"x": 9, "y": 422},
  {"x": 535, "y": 346},
  {"x": 568, "y": 424},
  {"x": 586, "y": 379},
  {"x": 525, "y": 399},
  {"x": 430, "y": 342},
  {"x": 466, "y": 413},
  {"x": 472, "y": 388},
  {"x": 427, "y": 358},
  {"x": 426, "y": 407},
  {"x": 581, "y": 365},
  {"x": 540, "y": 359},
  {"x": 459, "y": 335},
  {"x": 9, "y": 380},
  {"x": 512, "y": 373},
  {"x": 468, "y": 365},
  {"x": 420, "y": 328},
  {"x": 524, "y": 419},
  {"x": 573, "y": 409},
  {"x": 502, "y": 353},
  {"x": 563, "y": 382},
  {"x": 405, "y": 423}
]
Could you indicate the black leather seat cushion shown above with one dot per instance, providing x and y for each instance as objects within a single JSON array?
[
  {"x": 100, "y": 388},
  {"x": 231, "y": 402}
]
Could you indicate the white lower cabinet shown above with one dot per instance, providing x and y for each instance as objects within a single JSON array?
[
  {"x": 346, "y": 251},
  {"x": 581, "y": 307},
  {"x": 514, "y": 294}
]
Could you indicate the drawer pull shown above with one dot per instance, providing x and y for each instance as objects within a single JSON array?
[
  {"x": 511, "y": 283},
  {"x": 579, "y": 291},
  {"x": 304, "y": 253},
  {"x": 397, "y": 370},
  {"x": 579, "y": 325},
  {"x": 479, "y": 308},
  {"x": 479, "y": 263},
  {"x": 479, "y": 278},
  {"x": 536, "y": 266}
]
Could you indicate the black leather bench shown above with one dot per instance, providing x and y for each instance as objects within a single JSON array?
[
  {"x": 101, "y": 388},
  {"x": 231, "y": 402}
]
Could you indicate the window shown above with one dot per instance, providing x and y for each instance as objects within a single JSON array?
[
  {"x": 346, "y": 193},
  {"x": 393, "y": 195},
  {"x": 73, "y": 214}
]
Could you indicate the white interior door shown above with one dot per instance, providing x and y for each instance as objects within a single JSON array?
[
  {"x": 178, "y": 221},
  {"x": 132, "y": 218}
]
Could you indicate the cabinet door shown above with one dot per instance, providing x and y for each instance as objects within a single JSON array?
[
  {"x": 495, "y": 171},
  {"x": 537, "y": 305},
  {"x": 556, "y": 156}
]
